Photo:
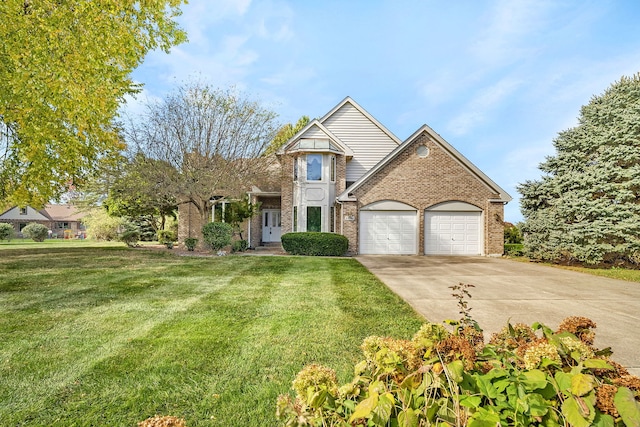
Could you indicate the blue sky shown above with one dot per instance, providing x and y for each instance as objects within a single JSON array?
[{"x": 498, "y": 79}]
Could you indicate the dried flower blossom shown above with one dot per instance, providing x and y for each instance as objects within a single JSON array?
[
  {"x": 474, "y": 336},
  {"x": 429, "y": 335},
  {"x": 629, "y": 381},
  {"x": 514, "y": 337},
  {"x": 457, "y": 348},
  {"x": 389, "y": 352},
  {"x": 605, "y": 395},
  {"x": 580, "y": 327},
  {"x": 574, "y": 345},
  {"x": 617, "y": 371},
  {"x": 316, "y": 377},
  {"x": 533, "y": 353}
]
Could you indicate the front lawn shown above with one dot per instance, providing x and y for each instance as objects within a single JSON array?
[{"x": 111, "y": 336}]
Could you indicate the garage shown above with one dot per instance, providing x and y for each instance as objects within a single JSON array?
[
  {"x": 388, "y": 228},
  {"x": 453, "y": 228}
]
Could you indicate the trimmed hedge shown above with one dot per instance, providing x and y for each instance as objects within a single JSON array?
[{"x": 315, "y": 244}]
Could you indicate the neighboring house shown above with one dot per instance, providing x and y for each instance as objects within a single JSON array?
[
  {"x": 346, "y": 173},
  {"x": 57, "y": 218}
]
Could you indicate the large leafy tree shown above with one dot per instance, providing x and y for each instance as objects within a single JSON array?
[
  {"x": 137, "y": 194},
  {"x": 65, "y": 67},
  {"x": 586, "y": 206},
  {"x": 203, "y": 142}
]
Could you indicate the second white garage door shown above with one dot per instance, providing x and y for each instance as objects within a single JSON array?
[
  {"x": 388, "y": 232},
  {"x": 452, "y": 233}
]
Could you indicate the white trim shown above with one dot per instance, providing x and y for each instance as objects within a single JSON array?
[
  {"x": 454, "y": 206},
  {"x": 388, "y": 205}
]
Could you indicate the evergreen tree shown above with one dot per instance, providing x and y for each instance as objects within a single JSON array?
[{"x": 586, "y": 206}]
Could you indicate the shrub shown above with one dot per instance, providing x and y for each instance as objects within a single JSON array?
[
  {"x": 514, "y": 249},
  {"x": 130, "y": 238},
  {"x": 167, "y": 238},
  {"x": 217, "y": 235},
  {"x": 36, "y": 232},
  {"x": 523, "y": 376},
  {"x": 6, "y": 231},
  {"x": 101, "y": 226},
  {"x": 239, "y": 246},
  {"x": 314, "y": 243},
  {"x": 190, "y": 243}
]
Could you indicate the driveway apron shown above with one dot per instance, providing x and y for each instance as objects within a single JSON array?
[{"x": 510, "y": 291}]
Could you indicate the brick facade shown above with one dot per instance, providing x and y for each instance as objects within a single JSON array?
[{"x": 425, "y": 182}]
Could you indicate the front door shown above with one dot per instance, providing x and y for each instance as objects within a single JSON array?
[{"x": 271, "y": 225}]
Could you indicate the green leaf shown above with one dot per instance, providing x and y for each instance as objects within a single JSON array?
[
  {"x": 582, "y": 384},
  {"x": 408, "y": 418},
  {"x": 485, "y": 418},
  {"x": 538, "y": 406},
  {"x": 382, "y": 412},
  {"x": 470, "y": 401},
  {"x": 628, "y": 407},
  {"x": 486, "y": 388},
  {"x": 573, "y": 412},
  {"x": 455, "y": 370},
  {"x": 563, "y": 380},
  {"x": 603, "y": 420},
  {"x": 534, "y": 379},
  {"x": 596, "y": 364},
  {"x": 365, "y": 408}
]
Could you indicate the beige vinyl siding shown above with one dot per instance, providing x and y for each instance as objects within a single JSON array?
[
  {"x": 369, "y": 143},
  {"x": 314, "y": 132}
]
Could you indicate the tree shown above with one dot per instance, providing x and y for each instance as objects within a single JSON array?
[
  {"x": 65, "y": 68},
  {"x": 285, "y": 133},
  {"x": 137, "y": 194},
  {"x": 204, "y": 142},
  {"x": 586, "y": 207}
]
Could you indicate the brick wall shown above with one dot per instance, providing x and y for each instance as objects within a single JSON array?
[
  {"x": 424, "y": 182},
  {"x": 189, "y": 222}
]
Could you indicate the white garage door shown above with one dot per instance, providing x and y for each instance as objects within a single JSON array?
[
  {"x": 388, "y": 232},
  {"x": 452, "y": 233}
]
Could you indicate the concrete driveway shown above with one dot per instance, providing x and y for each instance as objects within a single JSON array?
[{"x": 517, "y": 292}]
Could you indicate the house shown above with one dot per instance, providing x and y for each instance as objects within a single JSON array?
[
  {"x": 62, "y": 220},
  {"x": 346, "y": 173}
]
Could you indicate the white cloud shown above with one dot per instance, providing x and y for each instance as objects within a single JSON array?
[
  {"x": 476, "y": 110},
  {"x": 508, "y": 33}
]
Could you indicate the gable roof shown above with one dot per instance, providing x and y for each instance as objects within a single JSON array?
[
  {"x": 349, "y": 100},
  {"x": 473, "y": 169},
  {"x": 48, "y": 213},
  {"x": 301, "y": 133}
]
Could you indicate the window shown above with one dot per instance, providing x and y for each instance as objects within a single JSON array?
[
  {"x": 314, "y": 218},
  {"x": 23, "y": 211},
  {"x": 63, "y": 225},
  {"x": 333, "y": 168},
  {"x": 295, "y": 218},
  {"x": 295, "y": 169},
  {"x": 314, "y": 167}
]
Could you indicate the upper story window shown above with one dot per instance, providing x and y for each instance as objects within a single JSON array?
[
  {"x": 23, "y": 211},
  {"x": 314, "y": 167},
  {"x": 295, "y": 169}
]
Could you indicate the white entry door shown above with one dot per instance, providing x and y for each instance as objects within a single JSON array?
[
  {"x": 452, "y": 233},
  {"x": 271, "y": 225},
  {"x": 388, "y": 232}
]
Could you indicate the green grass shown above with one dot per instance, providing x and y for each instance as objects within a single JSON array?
[
  {"x": 612, "y": 273},
  {"x": 110, "y": 336}
]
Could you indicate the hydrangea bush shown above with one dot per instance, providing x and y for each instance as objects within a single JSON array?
[{"x": 525, "y": 375}]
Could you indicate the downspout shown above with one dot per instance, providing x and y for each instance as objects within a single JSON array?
[{"x": 341, "y": 216}]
